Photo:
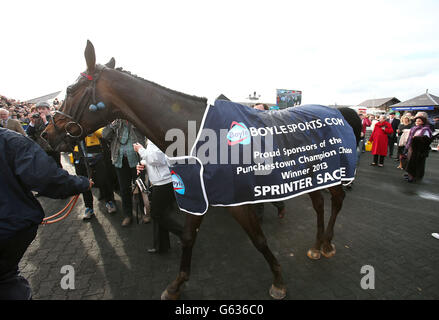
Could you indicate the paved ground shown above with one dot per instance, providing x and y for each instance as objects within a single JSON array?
[{"x": 385, "y": 223}]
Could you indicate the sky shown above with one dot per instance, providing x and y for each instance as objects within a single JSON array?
[{"x": 335, "y": 52}]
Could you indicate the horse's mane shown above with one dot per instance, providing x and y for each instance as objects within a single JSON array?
[{"x": 184, "y": 95}]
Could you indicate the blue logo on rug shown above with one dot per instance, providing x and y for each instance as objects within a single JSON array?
[
  {"x": 238, "y": 133},
  {"x": 177, "y": 183}
]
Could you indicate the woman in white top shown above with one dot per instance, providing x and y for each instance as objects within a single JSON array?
[{"x": 163, "y": 203}]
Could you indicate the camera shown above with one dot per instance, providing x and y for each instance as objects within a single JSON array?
[{"x": 36, "y": 116}]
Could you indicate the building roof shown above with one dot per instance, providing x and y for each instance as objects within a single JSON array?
[
  {"x": 423, "y": 100},
  {"x": 376, "y": 103},
  {"x": 44, "y": 98}
]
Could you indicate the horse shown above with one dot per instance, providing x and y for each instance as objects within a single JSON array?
[{"x": 154, "y": 109}]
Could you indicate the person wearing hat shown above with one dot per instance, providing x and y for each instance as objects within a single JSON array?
[
  {"x": 39, "y": 121},
  {"x": 393, "y": 136},
  {"x": 417, "y": 148}
]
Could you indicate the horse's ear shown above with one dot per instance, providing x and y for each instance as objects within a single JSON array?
[
  {"x": 110, "y": 64},
  {"x": 90, "y": 57}
]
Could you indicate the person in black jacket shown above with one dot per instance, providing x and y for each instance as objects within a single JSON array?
[
  {"x": 393, "y": 136},
  {"x": 39, "y": 122},
  {"x": 25, "y": 167}
]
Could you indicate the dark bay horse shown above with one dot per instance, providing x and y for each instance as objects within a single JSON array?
[{"x": 154, "y": 110}]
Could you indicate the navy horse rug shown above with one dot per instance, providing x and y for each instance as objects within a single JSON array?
[{"x": 243, "y": 155}]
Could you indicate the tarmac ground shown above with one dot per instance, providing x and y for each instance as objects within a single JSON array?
[{"x": 383, "y": 231}]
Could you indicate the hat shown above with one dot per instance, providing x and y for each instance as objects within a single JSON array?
[
  {"x": 422, "y": 116},
  {"x": 392, "y": 113},
  {"x": 43, "y": 104}
]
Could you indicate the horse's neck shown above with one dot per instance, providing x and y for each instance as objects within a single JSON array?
[{"x": 155, "y": 110}]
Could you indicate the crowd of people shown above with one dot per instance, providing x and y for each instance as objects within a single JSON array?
[
  {"x": 411, "y": 134},
  {"x": 24, "y": 112}
]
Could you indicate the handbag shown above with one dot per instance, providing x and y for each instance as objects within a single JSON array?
[
  {"x": 141, "y": 196},
  {"x": 404, "y": 137},
  {"x": 368, "y": 146}
]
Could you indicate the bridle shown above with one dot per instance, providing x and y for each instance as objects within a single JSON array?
[{"x": 88, "y": 98}]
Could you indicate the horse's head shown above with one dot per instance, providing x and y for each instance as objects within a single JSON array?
[{"x": 85, "y": 107}]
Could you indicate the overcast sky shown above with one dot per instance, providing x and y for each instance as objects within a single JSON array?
[{"x": 340, "y": 52}]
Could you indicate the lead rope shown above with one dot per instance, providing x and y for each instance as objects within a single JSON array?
[{"x": 72, "y": 202}]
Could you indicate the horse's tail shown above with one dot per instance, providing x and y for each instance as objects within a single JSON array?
[{"x": 353, "y": 119}]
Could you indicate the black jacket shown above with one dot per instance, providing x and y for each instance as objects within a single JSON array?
[
  {"x": 24, "y": 166},
  {"x": 34, "y": 132},
  {"x": 395, "y": 124}
]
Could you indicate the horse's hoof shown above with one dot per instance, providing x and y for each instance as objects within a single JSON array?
[
  {"x": 166, "y": 295},
  {"x": 313, "y": 254},
  {"x": 329, "y": 254},
  {"x": 278, "y": 293}
]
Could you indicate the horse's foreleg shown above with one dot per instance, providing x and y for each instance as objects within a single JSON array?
[
  {"x": 191, "y": 226},
  {"x": 318, "y": 204},
  {"x": 246, "y": 217},
  {"x": 338, "y": 194}
]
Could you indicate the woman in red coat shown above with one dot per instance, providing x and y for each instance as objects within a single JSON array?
[{"x": 379, "y": 141}]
